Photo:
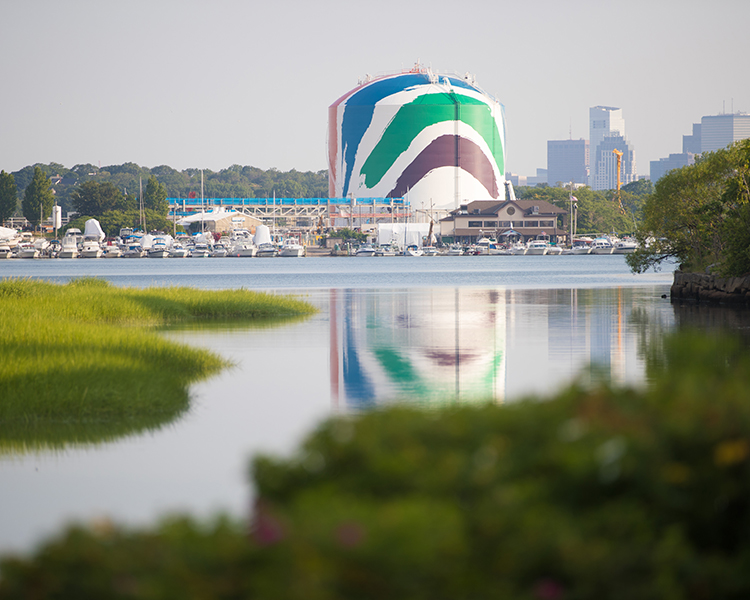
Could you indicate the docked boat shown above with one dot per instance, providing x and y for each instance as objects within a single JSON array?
[
  {"x": 159, "y": 248},
  {"x": 219, "y": 251},
  {"x": 27, "y": 250},
  {"x": 430, "y": 251},
  {"x": 625, "y": 246},
  {"x": 5, "y": 250},
  {"x": 133, "y": 250},
  {"x": 554, "y": 250},
  {"x": 455, "y": 249},
  {"x": 266, "y": 250},
  {"x": 601, "y": 246},
  {"x": 241, "y": 244},
  {"x": 365, "y": 250},
  {"x": 91, "y": 249},
  {"x": 581, "y": 246},
  {"x": 112, "y": 251},
  {"x": 538, "y": 247},
  {"x": 200, "y": 250},
  {"x": 291, "y": 247},
  {"x": 413, "y": 250},
  {"x": 177, "y": 250}
]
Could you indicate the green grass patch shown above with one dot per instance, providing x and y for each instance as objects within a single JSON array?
[{"x": 84, "y": 362}]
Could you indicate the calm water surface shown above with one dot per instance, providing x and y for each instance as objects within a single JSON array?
[{"x": 431, "y": 331}]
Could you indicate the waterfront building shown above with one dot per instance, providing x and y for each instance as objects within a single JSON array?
[
  {"x": 607, "y": 133},
  {"x": 567, "y": 161},
  {"x": 718, "y": 131},
  {"x": 490, "y": 218}
]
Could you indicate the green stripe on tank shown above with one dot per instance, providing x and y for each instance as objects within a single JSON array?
[{"x": 422, "y": 112}]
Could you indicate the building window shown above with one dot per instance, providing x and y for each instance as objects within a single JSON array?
[
  {"x": 475, "y": 223},
  {"x": 531, "y": 223},
  {"x": 506, "y": 224},
  {"x": 511, "y": 210},
  {"x": 546, "y": 223},
  {"x": 490, "y": 224}
]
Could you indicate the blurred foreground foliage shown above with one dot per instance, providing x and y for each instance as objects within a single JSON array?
[{"x": 600, "y": 492}]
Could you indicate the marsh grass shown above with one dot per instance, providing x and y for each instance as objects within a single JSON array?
[{"x": 86, "y": 357}]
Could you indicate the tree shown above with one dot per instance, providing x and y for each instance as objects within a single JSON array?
[
  {"x": 155, "y": 197},
  {"x": 8, "y": 196},
  {"x": 38, "y": 198},
  {"x": 95, "y": 199}
]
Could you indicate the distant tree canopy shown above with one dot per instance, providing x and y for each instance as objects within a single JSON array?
[
  {"x": 38, "y": 198},
  {"x": 155, "y": 197},
  {"x": 8, "y": 196},
  {"x": 700, "y": 215},
  {"x": 597, "y": 211},
  {"x": 94, "y": 199},
  {"x": 233, "y": 182}
]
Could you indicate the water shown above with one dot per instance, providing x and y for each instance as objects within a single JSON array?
[{"x": 432, "y": 331}]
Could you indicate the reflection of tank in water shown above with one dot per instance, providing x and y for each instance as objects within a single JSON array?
[{"x": 432, "y": 346}]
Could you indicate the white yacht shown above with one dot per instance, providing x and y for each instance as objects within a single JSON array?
[
  {"x": 177, "y": 250},
  {"x": 241, "y": 244},
  {"x": 292, "y": 247},
  {"x": 91, "y": 248},
  {"x": 601, "y": 245},
  {"x": 27, "y": 250},
  {"x": 219, "y": 250},
  {"x": 537, "y": 247},
  {"x": 267, "y": 249},
  {"x": 365, "y": 250},
  {"x": 413, "y": 250},
  {"x": 581, "y": 246},
  {"x": 112, "y": 251},
  {"x": 159, "y": 248},
  {"x": 625, "y": 246},
  {"x": 200, "y": 250}
]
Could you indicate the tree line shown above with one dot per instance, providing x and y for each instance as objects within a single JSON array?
[
  {"x": 112, "y": 194},
  {"x": 233, "y": 182}
]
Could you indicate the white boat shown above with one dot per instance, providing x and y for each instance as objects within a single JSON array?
[
  {"x": 625, "y": 246},
  {"x": 582, "y": 246},
  {"x": 538, "y": 247},
  {"x": 5, "y": 250},
  {"x": 219, "y": 251},
  {"x": 518, "y": 248},
  {"x": 430, "y": 250},
  {"x": 267, "y": 249},
  {"x": 482, "y": 247},
  {"x": 200, "y": 250},
  {"x": 455, "y": 249},
  {"x": 601, "y": 246},
  {"x": 69, "y": 247},
  {"x": 177, "y": 250},
  {"x": 91, "y": 249},
  {"x": 291, "y": 247},
  {"x": 159, "y": 248},
  {"x": 241, "y": 244},
  {"x": 133, "y": 250},
  {"x": 413, "y": 250},
  {"x": 365, "y": 250},
  {"x": 27, "y": 250},
  {"x": 112, "y": 251},
  {"x": 554, "y": 250}
]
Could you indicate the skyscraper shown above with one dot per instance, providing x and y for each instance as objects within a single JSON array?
[
  {"x": 607, "y": 133},
  {"x": 567, "y": 160},
  {"x": 718, "y": 131}
]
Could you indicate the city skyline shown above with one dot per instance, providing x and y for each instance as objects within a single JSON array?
[{"x": 194, "y": 84}]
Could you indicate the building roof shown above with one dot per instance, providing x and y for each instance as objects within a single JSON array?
[{"x": 493, "y": 207}]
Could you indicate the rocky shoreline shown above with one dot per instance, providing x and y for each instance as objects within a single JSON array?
[{"x": 710, "y": 289}]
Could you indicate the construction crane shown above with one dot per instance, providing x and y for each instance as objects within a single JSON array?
[{"x": 617, "y": 197}]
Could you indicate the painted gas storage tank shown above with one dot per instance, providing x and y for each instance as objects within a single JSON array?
[{"x": 438, "y": 138}]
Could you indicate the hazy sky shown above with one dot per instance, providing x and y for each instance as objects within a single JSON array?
[{"x": 208, "y": 84}]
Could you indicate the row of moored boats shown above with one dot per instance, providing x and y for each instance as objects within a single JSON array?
[{"x": 132, "y": 244}]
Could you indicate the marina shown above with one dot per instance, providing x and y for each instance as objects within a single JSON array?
[{"x": 424, "y": 331}]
